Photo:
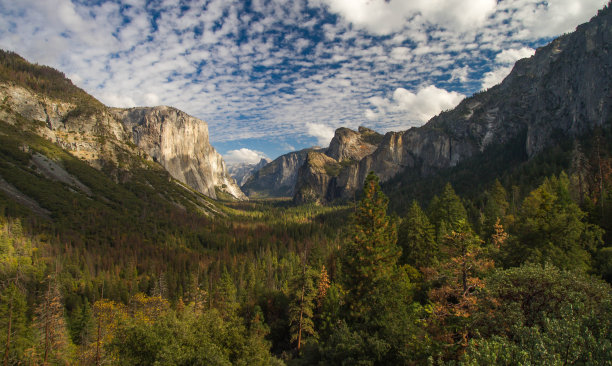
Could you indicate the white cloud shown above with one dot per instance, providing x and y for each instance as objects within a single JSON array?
[
  {"x": 370, "y": 114},
  {"x": 322, "y": 132},
  {"x": 460, "y": 74},
  {"x": 419, "y": 106},
  {"x": 551, "y": 18},
  {"x": 385, "y": 17},
  {"x": 512, "y": 55},
  {"x": 151, "y": 99},
  {"x": 505, "y": 61},
  {"x": 495, "y": 76},
  {"x": 243, "y": 155},
  {"x": 115, "y": 100}
]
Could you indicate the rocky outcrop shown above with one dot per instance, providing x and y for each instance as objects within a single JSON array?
[
  {"x": 278, "y": 178},
  {"x": 179, "y": 142},
  {"x": 115, "y": 140},
  {"x": 241, "y": 172},
  {"x": 90, "y": 133},
  {"x": 314, "y": 178},
  {"x": 351, "y": 145},
  {"x": 326, "y": 175},
  {"x": 563, "y": 90}
]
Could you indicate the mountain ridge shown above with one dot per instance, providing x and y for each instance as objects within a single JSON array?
[
  {"x": 561, "y": 90},
  {"x": 51, "y": 106}
]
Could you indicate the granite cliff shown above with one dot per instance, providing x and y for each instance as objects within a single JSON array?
[
  {"x": 40, "y": 99},
  {"x": 179, "y": 142},
  {"x": 278, "y": 178},
  {"x": 561, "y": 91},
  {"x": 326, "y": 174}
]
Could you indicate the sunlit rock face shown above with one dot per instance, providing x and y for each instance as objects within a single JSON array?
[
  {"x": 277, "y": 178},
  {"x": 94, "y": 136},
  {"x": 241, "y": 172},
  {"x": 179, "y": 142}
]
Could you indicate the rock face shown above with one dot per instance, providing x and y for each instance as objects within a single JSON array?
[
  {"x": 350, "y": 145},
  {"x": 326, "y": 175},
  {"x": 563, "y": 90},
  {"x": 278, "y": 178},
  {"x": 179, "y": 142},
  {"x": 92, "y": 135},
  {"x": 241, "y": 172},
  {"x": 116, "y": 140}
]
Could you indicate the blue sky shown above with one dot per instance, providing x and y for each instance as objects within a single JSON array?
[{"x": 271, "y": 76}]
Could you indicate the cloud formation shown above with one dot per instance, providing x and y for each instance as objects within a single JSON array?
[
  {"x": 321, "y": 132},
  {"x": 243, "y": 155},
  {"x": 503, "y": 61},
  {"x": 271, "y": 70},
  {"x": 416, "y": 108},
  {"x": 385, "y": 17}
]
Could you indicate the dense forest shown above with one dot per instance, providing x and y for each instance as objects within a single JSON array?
[{"x": 523, "y": 281}]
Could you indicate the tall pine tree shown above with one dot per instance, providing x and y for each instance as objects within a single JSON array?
[{"x": 371, "y": 255}]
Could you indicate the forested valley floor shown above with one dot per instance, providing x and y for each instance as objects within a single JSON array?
[{"x": 503, "y": 276}]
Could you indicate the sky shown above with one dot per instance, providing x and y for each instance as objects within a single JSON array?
[{"x": 274, "y": 76}]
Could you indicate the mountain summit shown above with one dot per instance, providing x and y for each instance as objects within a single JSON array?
[{"x": 561, "y": 91}]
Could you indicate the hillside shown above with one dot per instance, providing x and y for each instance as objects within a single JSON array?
[
  {"x": 117, "y": 140},
  {"x": 560, "y": 92}
]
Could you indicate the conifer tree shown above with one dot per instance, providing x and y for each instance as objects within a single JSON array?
[
  {"x": 13, "y": 318},
  {"x": 552, "y": 228},
  {"x": 301, "y": 307},
  {"x": 580, "y": 172},
  {"x": 496, "y": 207},
  {"x": 417, "y": 238},
  {"x": 51, "y": 323},
  {"x": 322, "y": 287},
  {"x": 447, "y": 212},
  {"x": 460, "y": 275},
  {"x": 371, "y": 254}
]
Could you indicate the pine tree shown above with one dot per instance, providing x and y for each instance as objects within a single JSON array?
[
  {"x": 447, "y": 212},
  {"x": 580, "y": 172},
  {"x": 301, "y": 307},
  {"x": 107, "y": 315},
  {"x": 371, "y": 254},
  {"x": 322, "y": 287},
  {"x": 496, "y": 207},
  {"x": 417, "y": 238},
  {"x": 460, "y": 275},
  {"x": 13, "y": 318},
  {"x": 225, "y": 297},
  {"x": 50, "y": 321},
  {"x": 552, "y": 228}
]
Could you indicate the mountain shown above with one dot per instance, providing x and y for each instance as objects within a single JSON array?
[
  {"x": 116, "y": 141},
  {"x": 325, "y": 174},
  {"x": 179, "y": 142},
  {"x": 278, "y": 178},
  {"x": 241, "y": 172},
  {"x": 563, "y": 91}
]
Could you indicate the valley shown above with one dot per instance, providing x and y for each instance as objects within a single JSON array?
[{"x": 483, "y": 237}]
